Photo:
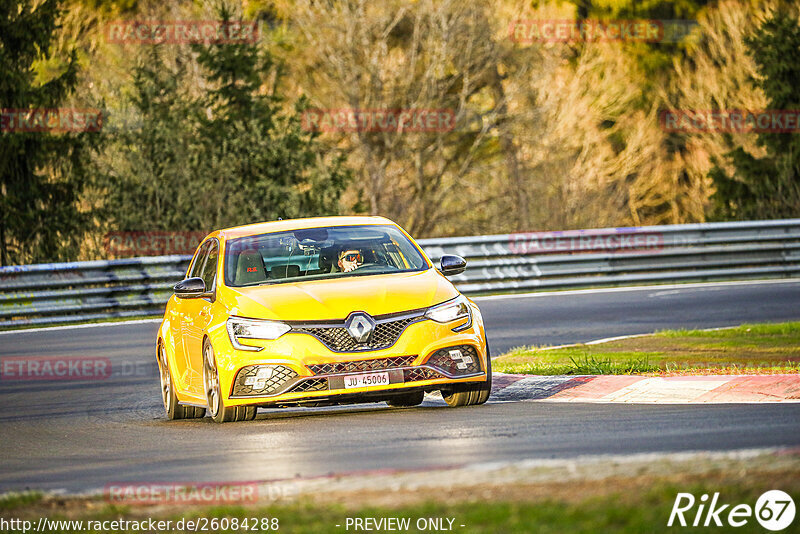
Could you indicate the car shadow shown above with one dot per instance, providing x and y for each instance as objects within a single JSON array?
[{"x": 271, "y": 414}]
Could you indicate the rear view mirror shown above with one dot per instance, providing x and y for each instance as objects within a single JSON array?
[
  {"x": 452, "y": 265},
  {"x": 191, "y": 288}
]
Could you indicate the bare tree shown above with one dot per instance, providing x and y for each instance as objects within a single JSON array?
[
  {"x": 424, "y": 55},
  {"x": 716, "y": 75}
]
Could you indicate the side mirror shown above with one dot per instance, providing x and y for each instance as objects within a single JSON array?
[
  {"x": 452, "y": 265},
  {"x": 191, "y": 288}
]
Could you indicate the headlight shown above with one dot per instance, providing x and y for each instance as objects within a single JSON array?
[
  {"x": 241, "y": 328},
  {"x": 449, "y": 311}
]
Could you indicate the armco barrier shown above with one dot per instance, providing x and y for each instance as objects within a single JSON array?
[{"x": 83, "y": 291}]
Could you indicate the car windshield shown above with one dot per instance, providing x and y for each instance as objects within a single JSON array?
[{"x": 319, "y": 253}]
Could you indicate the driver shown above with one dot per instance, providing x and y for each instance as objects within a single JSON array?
[{"x": 350, "y": 260}]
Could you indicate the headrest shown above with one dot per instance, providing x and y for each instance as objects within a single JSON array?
[{"x": 250, "y": 268}]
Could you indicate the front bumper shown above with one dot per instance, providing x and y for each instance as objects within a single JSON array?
[{"x": 306, "y": 370}]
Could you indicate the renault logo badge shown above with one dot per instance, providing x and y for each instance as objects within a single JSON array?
[{"x": 360, "y": 326}]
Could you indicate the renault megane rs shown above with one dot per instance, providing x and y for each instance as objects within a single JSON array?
[{"x": 314, "y": 312}]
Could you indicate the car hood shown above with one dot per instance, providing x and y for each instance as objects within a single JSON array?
[{"x": 337, "y": 298}]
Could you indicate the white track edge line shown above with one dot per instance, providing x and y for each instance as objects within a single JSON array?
[
  {"x": 76, "y": 326},
  {"x": 629, "y": 336},
  {"x": 538, "y": 294}
]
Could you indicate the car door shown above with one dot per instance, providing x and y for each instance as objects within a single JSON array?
[
  {"x": 196, "y": 317},
  {"x": 183, "y": 369}
]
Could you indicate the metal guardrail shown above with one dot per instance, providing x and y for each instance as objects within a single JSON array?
[{"x": 127, "y": 288}]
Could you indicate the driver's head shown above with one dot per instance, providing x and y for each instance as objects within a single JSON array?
[{"x": 350, "y": 259}]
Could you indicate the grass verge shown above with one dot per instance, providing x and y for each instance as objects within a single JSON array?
[
  {"x": 12, "y": 501},
  {"x": 747, "y": 349},
  {"x": 620, "y": 505}
]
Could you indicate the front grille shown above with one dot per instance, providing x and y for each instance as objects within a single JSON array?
[
  {"x": 416, "y": 374},
  {"x": 280, "y": 375},
  {"x": 456, "y": 361},
  {"x": 312, "y": 384},
  {"x": 377, "y": 364},
  {"x": 336, "y": 337}
]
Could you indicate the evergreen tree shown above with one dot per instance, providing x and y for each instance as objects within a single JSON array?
[
  {"x": 230, "y": 156},
  {"x": 42, "y": 173},
  {"x": 146, "y": 171},
  {"x": 264, "y": 164},
  {"x": 767, "y": 187}
]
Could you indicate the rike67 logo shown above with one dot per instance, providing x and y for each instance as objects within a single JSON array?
[{"x": 774, "y": 510}]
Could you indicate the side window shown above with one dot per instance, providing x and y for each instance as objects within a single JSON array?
[
  {"x": 197, "y": 262},
  {"x": 210, "y": 266}
]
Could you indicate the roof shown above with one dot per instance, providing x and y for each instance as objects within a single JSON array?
[{"x": 296, "y": 224}]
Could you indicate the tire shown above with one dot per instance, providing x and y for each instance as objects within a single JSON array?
[
  {"x": 414, "y": 398},
  {"x": 216, "y": 405},
  {"x": 470, "y": 394},
  {"x": 168, "y": 397}
]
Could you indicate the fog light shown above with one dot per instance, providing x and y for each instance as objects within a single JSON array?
[
  {"x": 264, "y": 373},
  {"x": 462, "y": 361},
  {"x": 456, "y": 361},
  {"x": 261, "y": 379}
]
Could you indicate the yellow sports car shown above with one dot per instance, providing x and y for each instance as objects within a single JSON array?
[{"x": 313, "y": 312}]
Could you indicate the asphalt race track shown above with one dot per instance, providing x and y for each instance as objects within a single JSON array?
[{"x": 81, "y": 436}]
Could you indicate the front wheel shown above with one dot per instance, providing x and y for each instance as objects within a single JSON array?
[
  {"x": 470, "y": 394},
  {"x": 216, "y": 406},
  {"x": 168, "y": 396}
]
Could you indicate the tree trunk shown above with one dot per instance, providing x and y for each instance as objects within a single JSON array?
[{"x": 510, "y": 155}]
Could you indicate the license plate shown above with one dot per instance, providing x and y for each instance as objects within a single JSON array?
[{"x": 366, "y": 380}]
